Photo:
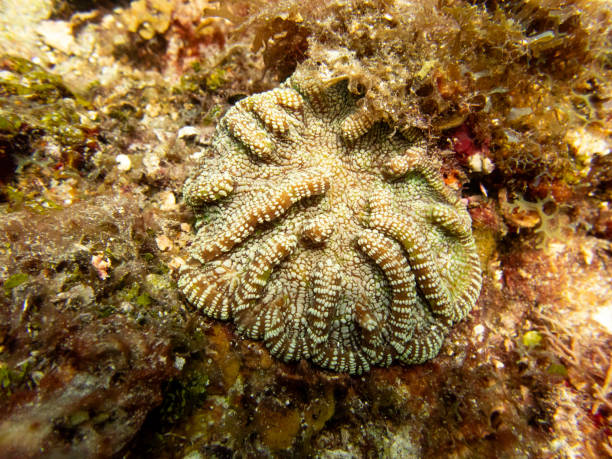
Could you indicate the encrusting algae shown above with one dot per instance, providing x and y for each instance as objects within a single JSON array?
[{"x": 327, "y": 235}]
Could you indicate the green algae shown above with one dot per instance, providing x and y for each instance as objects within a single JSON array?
[
  {"x": 39, "y": 115},
  {"x": 532, "y": 339},
  {"x": 143, "y": 300},
  {"x": 10, "y": 124},
  {"x": 557, "y": 369},
  {"x": 10, "y": 378},
  {"x": 14, "y": 281},
  {"x": 30, "y": 81},
  {"x": 18, "y": 199},
  {"x": 215, "y": 79}
]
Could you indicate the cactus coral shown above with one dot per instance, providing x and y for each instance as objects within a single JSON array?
[{"x": 327, "y": 235}]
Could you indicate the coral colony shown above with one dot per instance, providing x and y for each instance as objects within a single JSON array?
[{"x": 327, "y": 235}]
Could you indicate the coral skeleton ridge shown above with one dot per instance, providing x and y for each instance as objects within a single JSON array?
[{"x": 327, "y": 234}]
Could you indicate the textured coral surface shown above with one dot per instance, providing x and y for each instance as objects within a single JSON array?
[{"x": 326, "y": 235}]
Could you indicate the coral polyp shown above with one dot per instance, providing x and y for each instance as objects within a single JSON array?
[{"x": 327, "y": 234}]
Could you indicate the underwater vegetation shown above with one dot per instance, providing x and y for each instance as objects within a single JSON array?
[
  {"x": 39, "y": 112},
  {"x": 521, "y": 84}
]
